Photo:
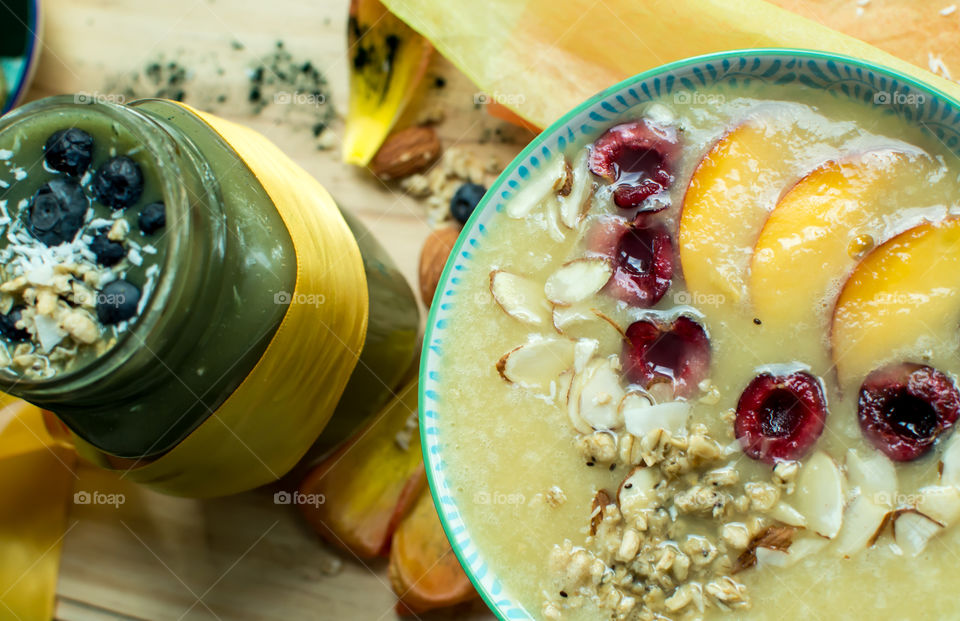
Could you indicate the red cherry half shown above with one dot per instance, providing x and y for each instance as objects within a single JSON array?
[
  {"x": 677, "y": 353},
  {"x": 904, "y": 407},
  {"x": 639, "y": 157},
  {"x": 780, "y": 417}
]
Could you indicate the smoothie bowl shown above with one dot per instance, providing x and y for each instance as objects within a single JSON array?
[{"x": 694, "y": 355}]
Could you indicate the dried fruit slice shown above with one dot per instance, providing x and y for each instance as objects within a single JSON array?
[
  {"x": 600, "y": 395},
  {"x": 819, "y": 495},
  {"x": 641, "y": 415},
  {"x": 903, "y": 408},
  {"x": 940, "y": 503},
  {"x": 780, "y": 417},
  {"x": 369, "y": 484},
  {"x": 538, "y": 188},
  {"x": 676, "y": 353},
  {"x": 875, "y": 476},
  {"x": 424, "y": 572},
  {"x": 862, "y": 523},
  {"x": 578, "y": 280},
  {"x": 639, "y": 157},
  {"x": 575, "y": 205},
  {"x": 913, "y": 531},
  {"x": 521, "y": 298},
  {"x": 388, "y": 61},
  {"x": 538, "y": 364}
]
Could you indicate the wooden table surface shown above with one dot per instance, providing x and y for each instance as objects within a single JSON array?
[{"x": 239, "y": 558}]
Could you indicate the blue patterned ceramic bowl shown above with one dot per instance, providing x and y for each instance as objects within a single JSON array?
[{"x": 913, "y": 101}]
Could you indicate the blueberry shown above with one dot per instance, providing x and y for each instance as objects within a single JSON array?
[
  {"x": 108, "y": 252},
  {"x": 118, "y": 183},
  {"x": 117, "y": 302},
  {"x": 57, "y": 211},
  {"x": 69, "y": 151},
  {"x": 152, "y": 218},
  {"x": 465, "y": 200},
  {"x": 8, "y": 326}
]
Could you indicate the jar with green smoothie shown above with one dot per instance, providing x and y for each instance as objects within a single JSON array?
[{"x": 169, "y": 280}]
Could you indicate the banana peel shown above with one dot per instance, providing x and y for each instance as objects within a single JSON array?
[
  {"x": 424, "y": 572},
  {"x": 387, "y": 61},
  {"x": 541, "y": 60},
  {"x": 369, "y": 484}
]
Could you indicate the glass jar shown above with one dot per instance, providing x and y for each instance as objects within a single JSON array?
[{"x": 223, "y": 289}]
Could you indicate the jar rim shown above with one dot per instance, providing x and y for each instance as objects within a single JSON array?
[{"x": 164, "y": 153}]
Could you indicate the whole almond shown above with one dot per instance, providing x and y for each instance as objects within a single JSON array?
[
  {"x": 433, "y": 257},
  {"x": 406, "y": 152}
]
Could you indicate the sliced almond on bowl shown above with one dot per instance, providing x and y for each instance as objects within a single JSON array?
[
  {"x": 578, "y": 280},
  {"x": 575, "y": 204},
  {"x": 520, "y": 297},
  {"x": 641, "y": 415},
  {"x": 819, "y": 495},
  {"x": 874, "y": 475},
  {"x": 913, "y": 530},
  {"x": 784, "y": 512},
  {"x": 862, "y": 523},
  {"x": 538, "y": 187},
  {"x": 940, "y": 503},
  {"x": 538, "y": 364},
  {"x": 601, "y": 394}
]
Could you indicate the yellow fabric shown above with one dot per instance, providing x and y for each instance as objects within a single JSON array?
[
  {"x": 540, "y": 61},
  {"x": 273, "y": 417},
  {"x": 36, "y": 480}
]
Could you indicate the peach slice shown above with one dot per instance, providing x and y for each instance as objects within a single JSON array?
[
  {"x": 819, "y": 228},
  {"x": 727, "y": 201},
  {"x": 901, "y": 301}
]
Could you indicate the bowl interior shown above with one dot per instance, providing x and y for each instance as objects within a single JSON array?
[{"x": 914, "y": 102}]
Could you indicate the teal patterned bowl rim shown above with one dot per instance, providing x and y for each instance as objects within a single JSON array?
[{"x": 936, "y": 112}]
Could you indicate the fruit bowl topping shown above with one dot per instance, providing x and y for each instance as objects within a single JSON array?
[
  {"x": 638, "y": 157},
  {"x": 676, "y": 353},
  {"x": 780, "y": 417},
  {"x": 903, "y": 408},
  {"x": 642, "y": 256}
]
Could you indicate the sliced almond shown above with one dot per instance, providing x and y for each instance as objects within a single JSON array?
[
  {"x": 601, "y": 395},
  {"x": 637, "y": 490},
  {"x": 862, "y": 523},
  {"x": 875, "y": 476},
  {"x": 600, "y": 502},
  {"x": 566, "y": 317},
  {"x": 803, "y": 547},
  {"x": 537, "y": 365},
  {"x": 913, "y": 531},
  {"x": 578, "y": 280},
  {"x": 575, "y": 205},
  {"x": 551, "y": 215},
  {"x": 950, "y": 473},
  {"x": 819, "y": 495},
  {"x": 940, "y": 503},
  {"x": 537, "y": 188},
  {"x": 521, "y": 298},
  {"x": 767, "y": 557},
  {"x": 783, "y": 512},
  {"x": 581, "y": 320},
  {"x": 583, "y": 351},
  {"x": 641, "y": 415}
]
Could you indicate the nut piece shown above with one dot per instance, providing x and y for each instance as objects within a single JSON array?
[
  {"x": 406, "y": 152},
  {"x": 433, "y": 257}
]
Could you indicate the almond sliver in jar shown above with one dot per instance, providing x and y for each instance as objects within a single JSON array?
[{"x": 185, "y": 298}]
